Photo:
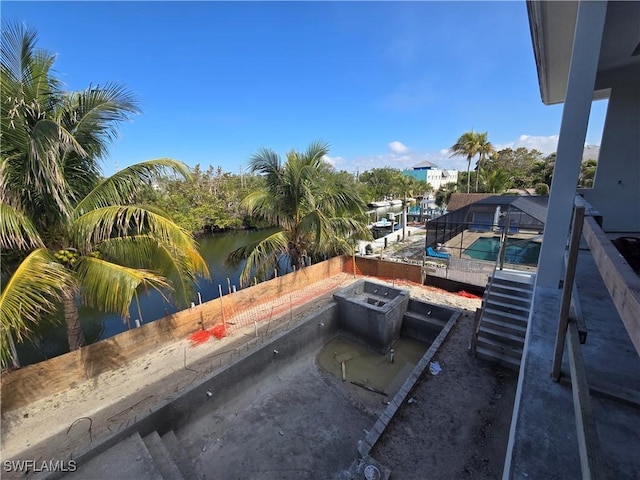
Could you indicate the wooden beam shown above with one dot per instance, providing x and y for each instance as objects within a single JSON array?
[
  {"x": 622, "y": 282},
  {"x": 575, "y": 314},
  {"x": 589, "y": 210},
  {"x": 615, "y": 392},
  {"x": 567, "y": 290},
  {"x": 588, "y": 441}
]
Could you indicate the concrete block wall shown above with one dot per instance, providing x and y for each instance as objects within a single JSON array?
[
  {"x": 378, "y": 325},
  {"x": 427, "y": 328}
]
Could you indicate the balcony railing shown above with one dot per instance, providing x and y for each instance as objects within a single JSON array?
[{"x": 623, "y": 285}]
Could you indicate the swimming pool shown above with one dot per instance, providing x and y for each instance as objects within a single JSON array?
[{"x": 518, "y": 251}]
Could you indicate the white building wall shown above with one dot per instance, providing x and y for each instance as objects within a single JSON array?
[
  {"x": 616, "y": 190},
  {"x": 573, "y": 131},
  {"x": 436, "y": 179}
]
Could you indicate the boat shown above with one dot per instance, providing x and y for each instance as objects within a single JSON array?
[
  {"x": 379, "y": 204},
  {"x": 384, "y": 223},
  {"x": 396, "y": 202}
]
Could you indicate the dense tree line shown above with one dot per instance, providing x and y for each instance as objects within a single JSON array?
[
  {"x": 501, "y": 170},
  {"x": 209, "y": 200}
]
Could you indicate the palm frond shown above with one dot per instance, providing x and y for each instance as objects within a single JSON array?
[
  {"x": 316, "y": 151},
  {"x": 110, "y": 287},
  {"x": 265, "y": 206},
  {"x": 178, "y": 266},
  {"x": 22, "y": 62},
  {"x": 35, "y": 288},
  {"x": 93, "y": 115},
  {"x": 260, "y": 256},
  {"x": 16, "y": 230},
  {"x": 265, "y": 161},
  {"x": 96, "y": 226},
  {"x": 123, "y": 186}
]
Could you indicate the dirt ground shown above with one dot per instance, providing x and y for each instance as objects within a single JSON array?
[{"x": 457, "y": 427}]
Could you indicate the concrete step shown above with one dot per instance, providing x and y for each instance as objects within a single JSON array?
[
  {"x": 507, "y": 338},
  {"x": 189, "y": 469},
  {"x": 515, "y": 276},
  {"x": 499, "y": 303},
  {"x": 507, "y": 317},
  {"x": 507, "y": 297},
  {"x": 164, "y": 461},
  {"x": 525, "y": 291},
  {"x": 489, "y": 320},
  {"x": 425, "y": 317},
  {"x": 516, "y": 292},
  {"x": 500, "y": 348},
  {"x": 127, "y": 460},
  {"x": 503, "y": 360}
]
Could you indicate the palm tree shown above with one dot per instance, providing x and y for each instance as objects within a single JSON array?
[
  {"x": 467, "y": 145},
  {"x": 312, "y": 217},
  {"x": 66, "y": 234},
  {"x": 497, "y": 180},
  {"x": 542, "y": 170},
  {"x": 484, "y": 150}
]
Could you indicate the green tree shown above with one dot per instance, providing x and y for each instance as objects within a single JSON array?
[
  {"x": 497, "y": 180},
  {"x": 443, "y": 195},
  {"x": 485, "y": 149},
  {"x": 542, "y": 170},
  {"x": 381, "y": 182},
  {"x": 312, "y": 217},
  {"x": 587, "y": 173},
  {"x": 542, "y": 189},
  {"x": 68, "y": 234},
  {"x": 520, "y": 164},
  {"x": 467, "y": 145}
]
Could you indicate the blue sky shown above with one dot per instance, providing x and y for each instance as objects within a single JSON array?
[{"x": 385, "y": 83}]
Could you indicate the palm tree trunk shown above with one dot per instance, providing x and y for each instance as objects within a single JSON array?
[
  {"x": 75, "y": 334},
  {"x": 478, "y": 172},
  {"x": 468, "y": 174}
]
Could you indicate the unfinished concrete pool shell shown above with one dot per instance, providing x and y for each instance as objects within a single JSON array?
[
  {"x": 275, "y": 413},
  {"x": 372, "y": 312}
]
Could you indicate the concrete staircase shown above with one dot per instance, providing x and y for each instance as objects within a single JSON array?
[
  {"x": 153, "y": 457},
  {"x": 500, "y": 334}
]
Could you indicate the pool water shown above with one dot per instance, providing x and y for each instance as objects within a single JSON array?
[{"x": 518, "y": 251}]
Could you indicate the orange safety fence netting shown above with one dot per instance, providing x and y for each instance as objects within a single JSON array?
[
  {"x": 462, "y": 293},
  {"x": 202, "y": 336},
  {"x": 265, "y": 310}
]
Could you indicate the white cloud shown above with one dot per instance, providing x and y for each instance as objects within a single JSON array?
[
  {"x": 402, "y": 157},
  {"x": 337, "y": 162},
  {"x": 398, "y": 147},
  {"x": 546, "y": 145},
  {"x": 405, "y": 161}
]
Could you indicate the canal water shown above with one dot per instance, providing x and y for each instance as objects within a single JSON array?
[
  {"x": 99, "y": 325},
  {"x": 52, "y": 339}
]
